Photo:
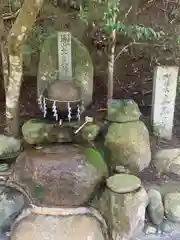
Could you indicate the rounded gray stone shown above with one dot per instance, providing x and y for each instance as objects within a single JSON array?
[
  {"x": 155, "y": 207},
  {"x": 122, "y": 169},
  {"x": 167, "y": 226},
  {"x": 123, "y": 183},
  {"x": 150, "y": 229},
  {"x": 172, "y": 206}
]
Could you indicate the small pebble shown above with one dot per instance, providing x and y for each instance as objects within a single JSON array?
[{"x": 150, "y": 229}]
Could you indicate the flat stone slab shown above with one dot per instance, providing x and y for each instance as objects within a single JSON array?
[{"x": 123, "y": 183}]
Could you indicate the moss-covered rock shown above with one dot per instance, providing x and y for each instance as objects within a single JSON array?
[
  {"x": 38, "y": 131},
  {"x": 129, "y": 145},
  {"x": 123, "y": 111},
  {"x": 9, "y": 147}
]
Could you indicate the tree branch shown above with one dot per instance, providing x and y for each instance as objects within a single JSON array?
[{"x": 137, "y": 43}]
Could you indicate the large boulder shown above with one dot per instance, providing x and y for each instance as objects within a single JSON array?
[
  {"x": 38, "y": 132},
  {"x": 129, "y": 145},
  {"x": 172, "y": 206},
  {"x": 40, "y": 227},
  {"x": 168, "y": 161},
  {"x": 59, "y": 175}
]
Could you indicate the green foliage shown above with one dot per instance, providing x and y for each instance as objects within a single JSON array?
[
  {"x": 137, "y": 32},
  {"x": 40, "y": 33},
  {"x": 14, "y": 5},
  {"x": 84, "y": 12},
  {"x": 178, "y": 39},
  {"x": 110, "y": 22},
  {"x": 111, "y": 15},
  {"x": 94, "y": 157}
]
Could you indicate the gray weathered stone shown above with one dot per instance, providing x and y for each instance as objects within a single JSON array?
[
  {"x": 172, "y": 206},
  {"x": 167, "y": 226},
  {"x": 40, "y": 227},
  {"x": 155, "y": 207},
  {"x": 167, "y": 161},
  {"x": 38, "y": 131},
  {"x": 123, "y": 111},
  {"x": 9, "y": 147},
  {"x": 129, "y": 145}
]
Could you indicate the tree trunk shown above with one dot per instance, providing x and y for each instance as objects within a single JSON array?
[
  {"x": 13, "y": 93},
  {"x": 4, "y": 54},
  {"x": 16, "y": 38},
  {"x": 111, "y": 65}
]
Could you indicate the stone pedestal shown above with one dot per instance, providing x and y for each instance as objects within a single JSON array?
[{"x": 128, "y": 201}]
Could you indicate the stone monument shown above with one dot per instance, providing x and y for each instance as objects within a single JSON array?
[
  {"x": 65, "y": 77},
  {"x": 163, "y": 102}
]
